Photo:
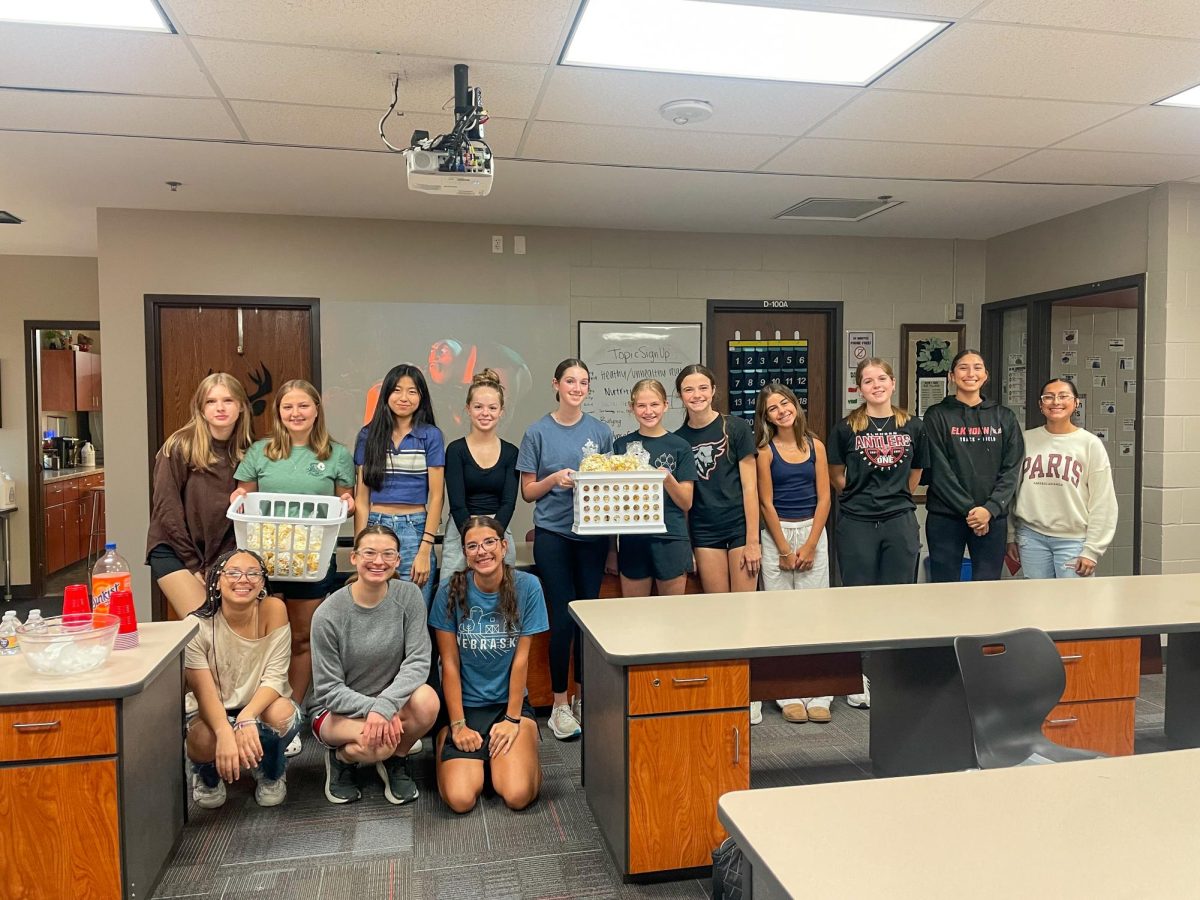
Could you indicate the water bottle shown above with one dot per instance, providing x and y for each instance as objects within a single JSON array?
[
  {"x": 35, "y": 624},
  {"x": 111, "y": 573},
  {"x": 8, "y": 634}
]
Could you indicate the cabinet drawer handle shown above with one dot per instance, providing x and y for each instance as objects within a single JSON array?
[
  {"x": 1066, "y": 721},
  {"x": 701, "y": 680},
  {"x": 1074, "y": 657},
  {"x": 22, "y": 726},
  {"x": 737, "y": 746}
]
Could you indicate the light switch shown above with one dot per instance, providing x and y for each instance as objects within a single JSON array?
[{"x": 519, "y": 245}]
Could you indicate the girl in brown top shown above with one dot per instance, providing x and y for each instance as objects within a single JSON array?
[{"x": 193, "y": 478}]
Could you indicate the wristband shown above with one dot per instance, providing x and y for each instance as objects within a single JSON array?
[
  {"x": 458, "y": 723},
  {"x": 513, "y": 719},
  {"x": 428, "y": 541},
  {"x": 428, "y": 534},
  {"x": 242, "y": 723}
]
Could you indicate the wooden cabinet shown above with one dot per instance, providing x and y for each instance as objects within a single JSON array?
[
  {"x": 67, "y": 519},
  {"x": 56, "y": 538},
  {"x": 1097, "y": 708},
  {"x": 58, "y": 730},
  {"x": 70, "y": 381},
  {"x": 684, "y": 687}
]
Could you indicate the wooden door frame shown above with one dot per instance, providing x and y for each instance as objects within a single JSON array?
[
  {"x": 154, "y": 304},
  {"x": 33, "y": 441},
  {"x": 836, "y": 337}
]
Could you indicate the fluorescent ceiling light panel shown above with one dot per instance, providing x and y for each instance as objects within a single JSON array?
[
  {"x": 142, "y": 15},
  {"x": 737, "y": 40},
  {"x": 1190, "y": 97}
]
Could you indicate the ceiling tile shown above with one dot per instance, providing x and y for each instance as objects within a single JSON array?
[
  {"x": 354, "y": 79},
  {"x": 504, "y": 30},
  {"x": 1095, "y": 167},
  {"x": 1178, "y": 18},
  {"x": 951, "y": 119},
  {"x": 570, "y": 142},
  {"x": 1017, "y": 61},
  {"x": 886, "y": 159},
  {"x": 614, "y": 97},
  {"x": 98, "y": 59},
  {"x": 1151, "y": 129},
  {"x": 116, "y": 114},
  {"x": 358, "y": 129}
]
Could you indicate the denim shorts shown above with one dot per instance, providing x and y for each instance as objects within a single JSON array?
[{"x": 409, "y": 528}]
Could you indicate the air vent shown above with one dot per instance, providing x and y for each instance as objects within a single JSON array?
[
  {"x": 7, "y": 218},
  {"x": 837, "y": 209}
]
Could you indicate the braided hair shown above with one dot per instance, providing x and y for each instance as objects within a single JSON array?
[
  {"x": 212, "y": 583},
  {"x": 457, "y": 604}
]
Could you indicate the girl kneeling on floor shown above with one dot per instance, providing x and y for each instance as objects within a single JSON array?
[
  {"x": 370, "y": 661},
  {"x": 485, "y": 619},
  {"x": 237, "y": 666}
]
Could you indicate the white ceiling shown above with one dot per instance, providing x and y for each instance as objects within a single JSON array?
[{"x": 1021, "y": 111}]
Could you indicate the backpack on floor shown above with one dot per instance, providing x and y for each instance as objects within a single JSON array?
[{"x": 729, "y": 873}]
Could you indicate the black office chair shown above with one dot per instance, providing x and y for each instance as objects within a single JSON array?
[{"x": 1012, "y": 681}]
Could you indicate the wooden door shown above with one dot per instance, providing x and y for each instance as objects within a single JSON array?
[
  {"x": 57, "y": 380},
  {"x": 791, "y": 345},
  {"x": 679, "y": 766},
  {"x": 74, "y": 537},
  {"x": 56, "y": 538},
  {"x": 194, "y": 341}
]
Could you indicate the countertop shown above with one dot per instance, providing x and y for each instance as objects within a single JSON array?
[
  {"x": 637, "y": 630},
  {"x": 127, "y": 672},
  {"x": 49, "y": 476}
]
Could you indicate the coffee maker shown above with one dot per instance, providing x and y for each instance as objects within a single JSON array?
[
  {"x": 69, "y": 451},
  {"x": 50, "y": 458}
]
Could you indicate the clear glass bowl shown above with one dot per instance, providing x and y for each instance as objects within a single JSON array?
[{"x": 69, "y": 649}]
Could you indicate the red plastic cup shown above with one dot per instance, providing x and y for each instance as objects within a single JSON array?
[
  {"x": 77, "y": 605},
  {"x": 121, "y": 606}
]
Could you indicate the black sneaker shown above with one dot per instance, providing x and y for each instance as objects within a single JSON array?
[
  {"x": 339, "y": 780},
  {"x": 398, "y": 784}
]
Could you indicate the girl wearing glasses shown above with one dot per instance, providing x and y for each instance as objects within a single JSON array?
[
  {"x": 370, "y": 662},
  {"x": 975, "y": 452},
  {"x": 1065, "y": 514},
  {"x": 401, "y": 460},
  {"x": 481, "y": 472},
  {"x": 236, "y": 666},
  {"x": 485, "y": 619},
  {"x": 571, "y": 566},
  {"x": 193, "y": 476}
]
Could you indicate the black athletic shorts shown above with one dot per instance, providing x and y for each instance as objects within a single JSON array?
[
  {"x": 650, "y": 556},
  {"x": 481, "y": 719}
]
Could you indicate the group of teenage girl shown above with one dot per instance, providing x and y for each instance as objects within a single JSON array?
[{"x": 401, "y": 652}]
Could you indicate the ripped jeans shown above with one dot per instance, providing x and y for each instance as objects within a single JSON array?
[{"x": 273, "y": 745}]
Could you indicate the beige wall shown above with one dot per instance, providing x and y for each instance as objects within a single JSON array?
[
  {"x": 44, "y": 288},
  {"x": 1095, "y": 244},
  {"x": 594, "y": 273}
]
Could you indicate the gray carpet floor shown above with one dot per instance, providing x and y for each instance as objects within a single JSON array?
[{"x": 309, "y": 849}]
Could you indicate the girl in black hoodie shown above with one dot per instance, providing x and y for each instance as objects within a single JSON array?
[{"x": 975, "y": 453}]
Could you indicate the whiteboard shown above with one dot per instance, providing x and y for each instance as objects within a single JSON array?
[{"x": 620, "y": 354}]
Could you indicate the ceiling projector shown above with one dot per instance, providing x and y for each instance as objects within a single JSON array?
[{"x": 458, "y": 163}]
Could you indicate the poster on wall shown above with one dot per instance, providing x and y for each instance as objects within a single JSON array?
[
  {"x": 926, "y": 352},
  {"x": 755, "y": 364},
  {"x": 620, "y": 354}
]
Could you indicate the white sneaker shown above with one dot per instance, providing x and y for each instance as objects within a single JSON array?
[
  {"x": 863, "y": 700},
  {"x": 563, "y": 724},
  {"x": 207, "y": 797},
  {"x": 415, "y": 748},
  {"x": 293, "y": 748},
  {"x": 755, "y": 712},
  {"x": 269, "y": 793}
]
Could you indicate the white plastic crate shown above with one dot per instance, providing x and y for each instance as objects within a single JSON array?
[
  {"x": 295, "y": 534},
  {"x": 619, "y": 503}
]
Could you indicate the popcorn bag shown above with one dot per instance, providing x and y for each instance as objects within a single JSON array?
[{"x": 618, "y": 494}]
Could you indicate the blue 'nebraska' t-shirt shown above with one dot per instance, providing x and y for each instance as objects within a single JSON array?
[
  {"x": 485, "y": 648},
  {"x": 550, "y": 447}
]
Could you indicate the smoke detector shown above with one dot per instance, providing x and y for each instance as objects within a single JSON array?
[{"x": 685, "y": 112}]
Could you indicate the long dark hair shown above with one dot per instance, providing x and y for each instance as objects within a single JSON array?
[
  {"x": 379, "y": 432},
  {"x": 212, "y": 583},
  {"x": 764, "y": 429},
  {"x": 457, "y": 604}
]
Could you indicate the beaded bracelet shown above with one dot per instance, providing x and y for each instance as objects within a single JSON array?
[
  {"x": 458, "y": 723},
  {"x": 242, "y": 724}
]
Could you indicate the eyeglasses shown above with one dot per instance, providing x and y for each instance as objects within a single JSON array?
[
  {"x": 388, "y": 556},
  {"x": 487, "y": 544},
  {"x": 253, "y": 576},
  {"x": 1050, "y": 398}
]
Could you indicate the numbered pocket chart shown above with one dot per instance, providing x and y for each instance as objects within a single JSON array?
[{"x": 755, "y": 364}]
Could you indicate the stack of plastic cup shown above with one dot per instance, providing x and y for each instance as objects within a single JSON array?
[
  {"x": 121, "y": 606},
  {"x": 77, "y": 605}
]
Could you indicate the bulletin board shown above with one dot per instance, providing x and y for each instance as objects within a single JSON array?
[{"x": 620, "y": 354}]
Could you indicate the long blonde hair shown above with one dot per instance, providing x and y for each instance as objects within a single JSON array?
[
  {"x": 765, "y": 430},
  {"x": 857, "y": 420},
  {"x": 280, "y": 445},
  {"x": 194, "y": 440}
]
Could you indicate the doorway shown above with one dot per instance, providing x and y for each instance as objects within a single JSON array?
[{"x": 262, "y": 341}]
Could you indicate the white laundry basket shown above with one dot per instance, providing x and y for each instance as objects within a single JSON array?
[
  {"x": 619, "y": 503},
  {"x": 295, "y": 534}
]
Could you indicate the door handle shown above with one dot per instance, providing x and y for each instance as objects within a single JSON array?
[
  {"x": 701, "y": 680},
  {"x": 1074, "y": 657},
  {"x": 241, "y": 347},
  {"x": 737, "y": 746},
  {"x": 1066, "y": 721},
  {"x": 29, "y": 726}
]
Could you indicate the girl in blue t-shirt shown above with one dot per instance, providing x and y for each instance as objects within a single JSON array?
[
  {"x": 661, "y": 560},
  {"x": 484, "y": 620},
  {"x": 401, "y": 459},
  {"x": 571, "y": 566}
]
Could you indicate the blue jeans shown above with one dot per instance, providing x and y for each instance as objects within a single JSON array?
[
  {"x": 273, "y": 745},
  {"x": 1043, "y": 556},
  {"x": 409, "y": 529}
]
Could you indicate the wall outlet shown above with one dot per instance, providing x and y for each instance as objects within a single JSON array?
[{"x": 497, "y": 243}]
